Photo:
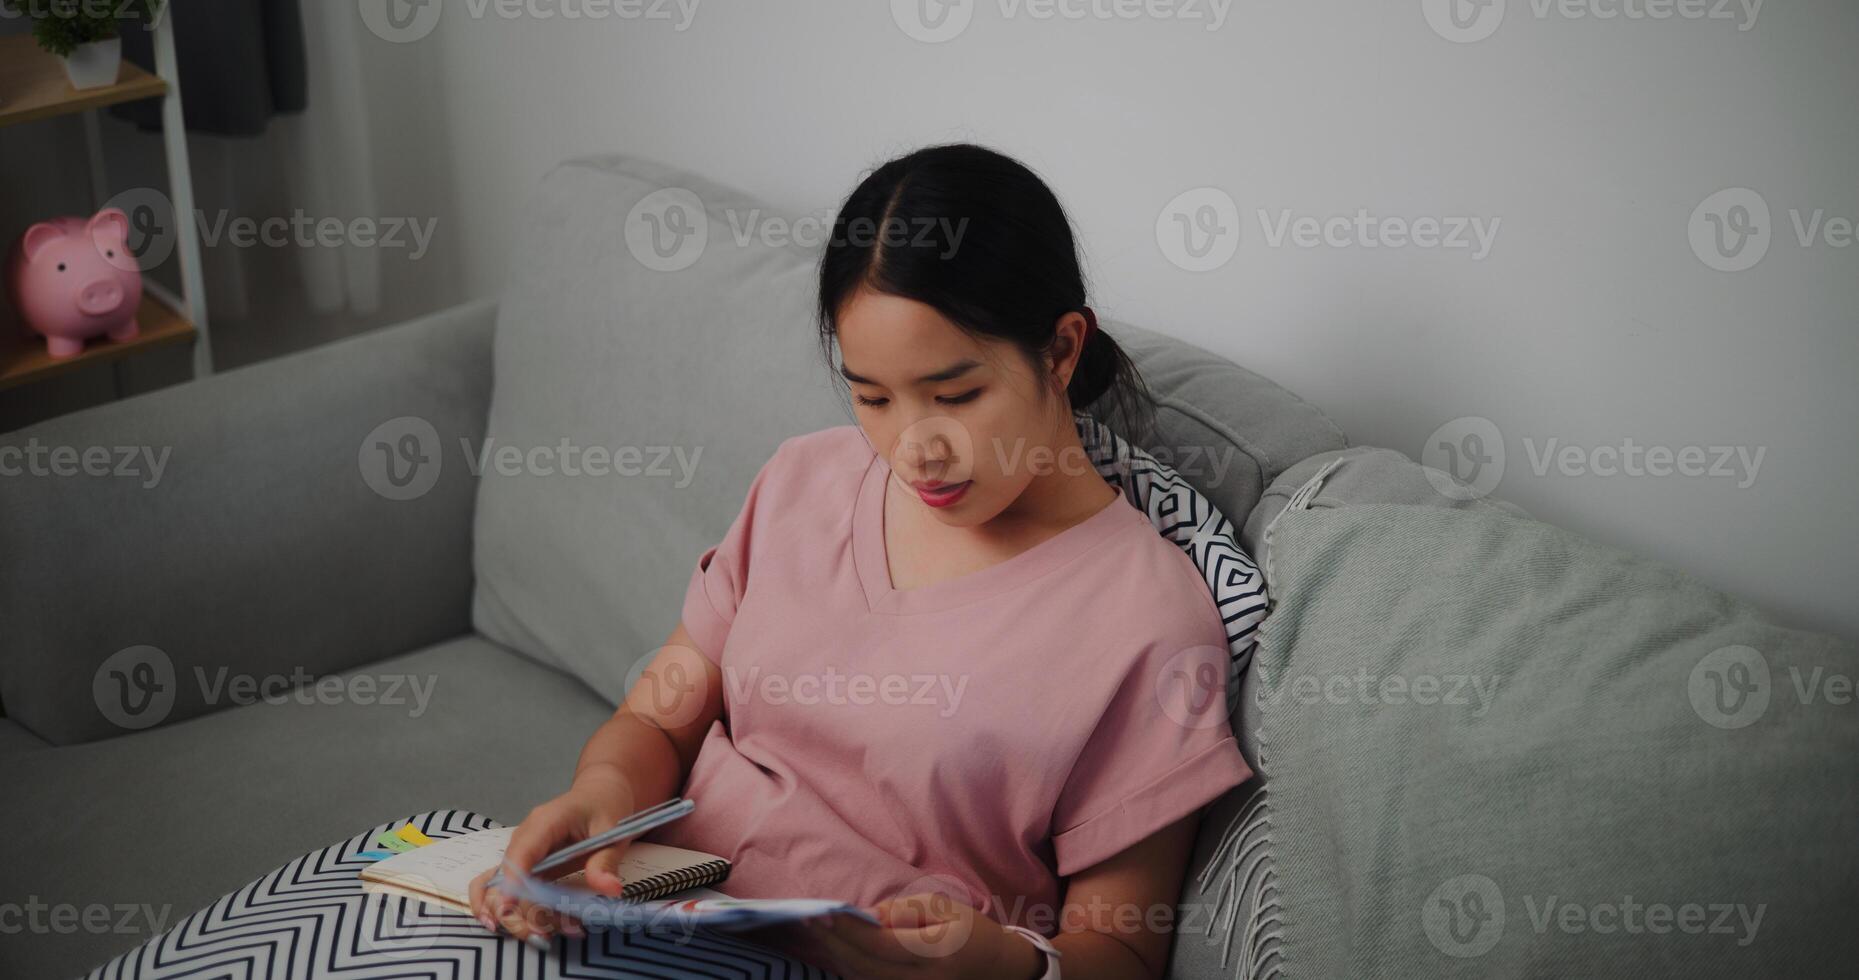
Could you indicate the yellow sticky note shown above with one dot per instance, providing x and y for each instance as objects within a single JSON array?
[{"x": 412, "y": 835}]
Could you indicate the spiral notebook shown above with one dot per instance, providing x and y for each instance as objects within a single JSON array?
[{"x": 441, "y": 872}]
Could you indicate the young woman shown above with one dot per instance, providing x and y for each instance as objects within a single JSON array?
[{"x": 1010, "y": 750}]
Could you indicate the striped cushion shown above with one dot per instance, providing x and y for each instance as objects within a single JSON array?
[
  {"x": 1182, "y": 515},
  {"x": 311, "y": 919}
]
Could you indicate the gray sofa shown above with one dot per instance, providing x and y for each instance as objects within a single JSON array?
[{"x": 294, "y": 532}]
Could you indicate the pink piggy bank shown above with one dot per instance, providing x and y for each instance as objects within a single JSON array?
[{"x": 73, "y": 279}]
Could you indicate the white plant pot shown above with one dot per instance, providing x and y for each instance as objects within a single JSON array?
[{"x": 94, "y": 64}]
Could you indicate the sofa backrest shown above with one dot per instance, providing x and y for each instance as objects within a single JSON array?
[
  {"x": 208, "y": 544},
  {"x": 647, "y": 317}
]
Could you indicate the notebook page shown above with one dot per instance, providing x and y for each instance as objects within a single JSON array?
[{"x": 446, "y": 867}]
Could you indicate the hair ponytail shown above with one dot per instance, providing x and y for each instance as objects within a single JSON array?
[{"x": 1106, "y": 374}]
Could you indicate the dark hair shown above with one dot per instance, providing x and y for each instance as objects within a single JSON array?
[{"x": 980, "y": 238}]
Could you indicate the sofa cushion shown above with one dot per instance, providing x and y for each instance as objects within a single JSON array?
[
  {"x": 238, "y": 529},
  {"x": 1226, "y": 430},
  {"x": 1229, "y": 894},
  {"x": 1360, "y": 475},
  {"x": 698, "y": 355},
  {"x": 15, "y": 739},
  {"x": 173, "y": 817},
  {"x": 685, "y": 378},
  {"x": 1491, "y": 747}
]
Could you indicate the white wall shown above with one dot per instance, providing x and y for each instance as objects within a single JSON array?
[{"x": 1588, "y": 141}]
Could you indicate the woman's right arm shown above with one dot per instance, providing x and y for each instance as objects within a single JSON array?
[{"x": 637, "y": 758}]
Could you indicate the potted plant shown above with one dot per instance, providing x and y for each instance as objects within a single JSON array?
[{"x": 84, "y": 34}]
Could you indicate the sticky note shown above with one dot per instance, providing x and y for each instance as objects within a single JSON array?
[
  {"x": 412, "y": 835},
  {"x": 377, "y": 855},
  {"x": 388, "y": 840}
]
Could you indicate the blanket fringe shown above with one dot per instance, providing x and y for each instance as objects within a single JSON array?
[{"x": 1241, "y": 871}]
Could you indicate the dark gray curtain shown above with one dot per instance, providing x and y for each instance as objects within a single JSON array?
[{"x": 242, "y": 62}]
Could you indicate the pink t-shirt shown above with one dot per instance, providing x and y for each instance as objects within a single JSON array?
[{"x": 1003, "y": 729}]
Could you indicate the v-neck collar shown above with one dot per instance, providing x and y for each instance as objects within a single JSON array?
[{"x": 868, "y": 553}]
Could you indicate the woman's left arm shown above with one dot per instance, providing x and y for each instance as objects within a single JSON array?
[
  {"x": 1119, "y": 914},
  {"x": 1116, "y": 924}
]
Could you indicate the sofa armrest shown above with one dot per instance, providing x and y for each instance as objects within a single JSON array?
[{"x": 245, "y": 524}]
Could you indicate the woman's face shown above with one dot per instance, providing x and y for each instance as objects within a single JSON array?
[{"x": 965, "y": 422}]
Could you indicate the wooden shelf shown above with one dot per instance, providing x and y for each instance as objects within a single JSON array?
[
  {"x": 23, "y": 358},
  {"x": 33, "y": 84}
]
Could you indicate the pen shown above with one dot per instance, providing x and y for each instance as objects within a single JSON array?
[{"x": 639, "y": 823}]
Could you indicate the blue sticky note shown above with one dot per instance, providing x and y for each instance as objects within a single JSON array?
[{"x": 377, "y": 855}]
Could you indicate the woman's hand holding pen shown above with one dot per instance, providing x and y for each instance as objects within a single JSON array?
[{"x": 600, "y": 798}]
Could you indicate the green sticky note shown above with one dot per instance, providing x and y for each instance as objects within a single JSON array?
[{"x": 388, "y": 840}]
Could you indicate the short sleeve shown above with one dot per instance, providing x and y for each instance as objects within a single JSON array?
[
  {"x": 1162, "y": 749},
  {"x": 721, "y": 577}
]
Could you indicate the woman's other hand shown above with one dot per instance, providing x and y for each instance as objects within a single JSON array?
[{"x": 922, "y": 935}]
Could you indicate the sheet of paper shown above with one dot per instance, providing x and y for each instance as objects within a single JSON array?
[{"x": 679, "y": 914}]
